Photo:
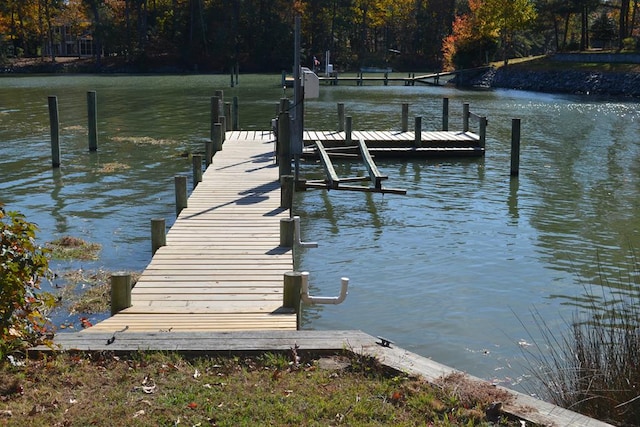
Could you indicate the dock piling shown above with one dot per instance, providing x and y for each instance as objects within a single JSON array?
[
  {"x": 418, "y": 132},
  {"x": 120, "y": 292},
  {"x": 215, "y": 112},
  {"x": 348, "y": 129},
  {"x": 235, "y": 118},
  {"x": 340, "y": 117},
  {"x": 217, "y": 138},
  {"x": 287, "y": 231},
  {"x": 54, "y": 125},
  {"x": 445, "y": 114},
  {"x": 158, "y": 234},
  {"x": 181, "y": 193},
  {"x": 292, "y": 293},
  {"x": 465, "y": 117},
  {"x": 405, "y": 117},
  {"x": 92, "y": 115},
  {"x": 515, "y": 147},
  {"x": 197, "y": 169},
  {"x": 284, "y": 144},
  {"x": 287, "y": 183}
]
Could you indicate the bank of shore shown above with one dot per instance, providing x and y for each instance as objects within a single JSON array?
[{"x": 606, "y": 79}]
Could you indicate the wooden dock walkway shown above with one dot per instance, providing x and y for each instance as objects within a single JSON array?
[{"x": 222, "y": 268}]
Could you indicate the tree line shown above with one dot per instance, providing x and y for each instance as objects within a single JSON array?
[{"x": 257, "y": 35}]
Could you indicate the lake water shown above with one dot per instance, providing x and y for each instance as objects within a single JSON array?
[{"x": 452, "y": 271}]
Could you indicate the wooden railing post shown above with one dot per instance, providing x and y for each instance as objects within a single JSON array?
[{"x": 120, "y": 292}]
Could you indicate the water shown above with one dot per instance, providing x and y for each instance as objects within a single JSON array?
[{"x": 451, "y": 271}]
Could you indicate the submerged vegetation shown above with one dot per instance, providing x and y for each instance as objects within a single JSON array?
[{"x": 68, "y": 248}]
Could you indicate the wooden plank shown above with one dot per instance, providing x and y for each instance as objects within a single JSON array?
[
  {"x": 332, "y": 176},
  {"x": 374, "y": 173}
]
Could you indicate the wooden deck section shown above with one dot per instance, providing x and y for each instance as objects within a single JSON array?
[
  {"x": 222, "y": 268},
  {"x": 398, "y": 144}
]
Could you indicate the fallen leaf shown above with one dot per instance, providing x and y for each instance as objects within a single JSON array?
[
  {"x": 73, "y": 401},
  {"x": 196, "y": 374},
  {"x": 138, "y": 413},
  {"x": 192, "y": 405}
]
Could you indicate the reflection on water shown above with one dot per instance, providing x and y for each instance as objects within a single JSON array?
[{"x": 447, "y": 271}]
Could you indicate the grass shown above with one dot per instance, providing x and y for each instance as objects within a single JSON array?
[{"x": 271, "y": 389}]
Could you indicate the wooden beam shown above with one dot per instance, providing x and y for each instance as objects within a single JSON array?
[
  {"x": 374, "y": 174},
  {"x": 332, "y": 176}
]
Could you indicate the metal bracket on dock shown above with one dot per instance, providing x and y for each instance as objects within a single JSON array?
[
  {"x": 308, "y": 299},
  {"x": 296, "y": 221}
]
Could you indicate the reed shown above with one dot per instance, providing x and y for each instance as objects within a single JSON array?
[{"x": 593, "y": 367}]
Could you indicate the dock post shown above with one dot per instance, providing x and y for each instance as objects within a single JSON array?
[
  {"x": 284, "y": 144},
  {"x": 386, "y": 79},
  {"x": 197, "y": 169},
  {"x": 465, "y": 117},
  {"x": 231, "y": 74},
  {"x": 92, "y": 115},
  {"x": 283, "y": 81},
  {"x": 348, "y": 129},
  {"x": 215, "y": 112},
  {"x": 445, "y": 114},
  {"x": 292, "y": 292},
  {"x": 417, "y": 142},
  {"x": 284, "y": 105},
  {"x": 340, "y": 117},
  {"x": 287, "y": 183},
  {"x": 515, "y": 147},
  {"x": 217, "y": 138},
  {"x": 235, "y": 118},
  {"x": 54, "y": 125},
  {"x": 158, "y": 234},
  {"x": 120, "y": 292},
  {"x": 181, "y": 193},
  {"x": 483, "y": 132},
  {"x": 223, "y": 124},
  {"x": 220, "y": 94},
  {"x": 287, "y": 231},
  {"x": 227, "y": 115},
  {"x": 208, "y": 152},
  {"x": 405, "y": 117}
]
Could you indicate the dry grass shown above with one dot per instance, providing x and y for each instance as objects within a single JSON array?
[{"x": 271, "y": 389}]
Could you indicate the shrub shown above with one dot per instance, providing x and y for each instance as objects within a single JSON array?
[
  {"x": 23, "y": 264},
  {"x": 629, "y": 44}
]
